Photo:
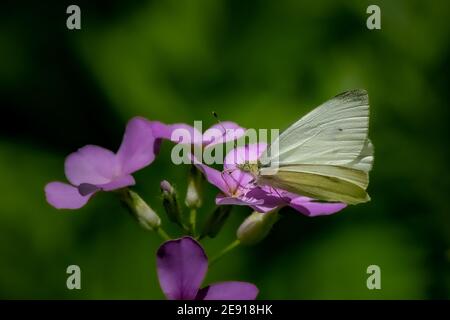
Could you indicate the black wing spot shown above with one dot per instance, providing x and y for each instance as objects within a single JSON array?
[{"x": 340, "y": 129}]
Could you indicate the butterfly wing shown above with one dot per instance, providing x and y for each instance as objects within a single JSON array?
[
  {"x": 326, "y": 154},
  {"x": 322, "y": 182}
]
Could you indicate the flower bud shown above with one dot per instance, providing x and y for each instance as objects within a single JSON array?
[
  {"x": 194, "y": 192},
  {"x": 145, "y": 215},
  {"x": 170, "y": 202},
  {"x": 166, "y": 187},
  {"x": 216, "y": 221},
  {"x": 256, "y": 227}
]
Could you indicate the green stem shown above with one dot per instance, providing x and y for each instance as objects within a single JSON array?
[
  {"x": 227, "y": 249},
  {"x": 192, "y": 219},
  {"x": 160, "y": 231}
]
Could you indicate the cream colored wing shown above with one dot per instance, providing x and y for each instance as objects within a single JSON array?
[
  {"x": 326, "y": 155},
  {"x": 326, "y": 183},
  {"x": 335, "y": 133}
]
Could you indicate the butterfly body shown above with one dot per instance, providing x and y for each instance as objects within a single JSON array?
[{"x": 250, "y": 167}]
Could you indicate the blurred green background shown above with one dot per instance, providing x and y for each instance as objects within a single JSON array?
[{"x": 262, "y": 64}]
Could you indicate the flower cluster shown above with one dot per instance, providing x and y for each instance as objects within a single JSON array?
[{"x": 182, "y": 263}]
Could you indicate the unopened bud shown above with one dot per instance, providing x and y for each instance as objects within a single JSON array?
[
  {"x": 194, "y": 189},
  {"x": 166, "y": 187},
  {"x": 256, "y": 227},
  {"x": 216, "y": 221},
  {"x": 145, "y": 215},
  {"x": 170, "y": 202}
]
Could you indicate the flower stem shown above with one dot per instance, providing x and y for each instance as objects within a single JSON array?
[
  {"x": 192, "y": 219},
  {"x": 160, "y": 231},
  {"x": 227, "y": 249}
]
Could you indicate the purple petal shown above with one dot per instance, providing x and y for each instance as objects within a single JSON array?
[
  {"x": 312, "y": 208},
  {"x": 230, "y": 290},
  {"x": 118, "y": 183},
  {"x": 215, "y": 177},
  {"x": 238, "y": 180},
  {"x": 138, "y": 146},
  {"x": 222, "y": 199},
  {"x": 270, "y": 199},
  {"x": 65, "y": 196},
  {"x": 91, "y": 164},
  {"x": 248, "y": 153},
  {"x": 240, "y": 155},
  {"x": 181, "y": 266},
  {"x": 178, "y": 133},
  {"x": 161, "y": 130},
  {"x": 222, "y": 132},
  {"x": 256, "y": 198},
  {"x": 230, "y": 183}
]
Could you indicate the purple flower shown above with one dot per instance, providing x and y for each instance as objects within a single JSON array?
[
  {"x": 93, "y": 168},
  {"x": 238, "y": 187},
  {"x": 182, "y": 265},
  {"x": 183, "y": 133}
]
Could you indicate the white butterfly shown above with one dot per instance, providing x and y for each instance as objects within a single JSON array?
[{"x": 326, "y": 155}]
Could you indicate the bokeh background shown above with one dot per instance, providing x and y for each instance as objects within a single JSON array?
[{"x": 262, "y": 64}]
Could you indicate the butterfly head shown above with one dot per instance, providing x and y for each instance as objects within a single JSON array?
[{"x": 251, "y": 167}]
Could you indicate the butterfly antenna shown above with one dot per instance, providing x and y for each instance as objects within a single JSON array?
[
  {"x": 215, "y": 115},
  {"x": 228, "y": 171}
]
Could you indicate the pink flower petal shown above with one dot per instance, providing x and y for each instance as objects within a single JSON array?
[
  {"x": 240, "y": 155},
  {"x": 230, "y": 290},
  {"x": 222, "y": 199},
  {"x": 161, "y": 130},
  {"x": 181, "y": 265},
  {"x": 91, "y": 164},
  {"x": 312, "y": 208},
  {"x": 118, "y": 183},
  {"x": 138, "y": 146},
  {"x": 256, "y": 198},
  {"x": 178, "y": 133},
  {"x": 215, "y": 177},
  {"x": 222, "y": 132},
  {"x": 64, "y": 196},
  {"x": 248, "y": 153}
]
